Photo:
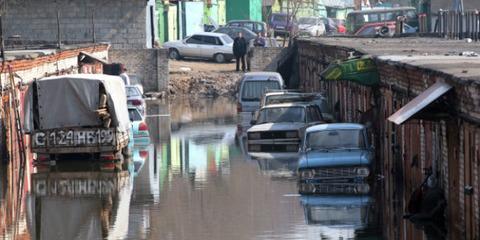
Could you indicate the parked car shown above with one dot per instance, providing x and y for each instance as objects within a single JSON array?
[
  {"x": 232, "y": 32},
  {"x": 135, "y": 98},
  {"x": 136, "y": 81},
  {"x": 280, "y": 24},
  {"x": 311, "y": 26},
  {"x": 291, "y": 96},
  {"x": 279, "y": 128},
  {"x": 79, "y": 117},
  {"x": 139, "y": 127},
  {"x": 251, "y": 88},
  {"x": 206, "y": 45},
  {"x": 254, "y": 26},
  {"x": 337, "y": 152}
]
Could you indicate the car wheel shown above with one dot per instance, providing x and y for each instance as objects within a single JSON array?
[
  {"x": 219, "y": 58},
  {"x": 173, "y": 54}
]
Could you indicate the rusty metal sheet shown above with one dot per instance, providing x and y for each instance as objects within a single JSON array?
[{"x": 420, "y": 102}]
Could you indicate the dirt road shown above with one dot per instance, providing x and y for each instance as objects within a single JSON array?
[{"x": 197, "y": 78}]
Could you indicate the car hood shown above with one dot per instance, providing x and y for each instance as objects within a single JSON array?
[
  {"x": 276, "y": 127},
  {"x": 335, "y": 158},
  {"x": 305, "y": 26}
]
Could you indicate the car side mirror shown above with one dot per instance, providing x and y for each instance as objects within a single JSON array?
[
  {"x": 184, "y": 41},
  {"x": 253, "y": 122}
]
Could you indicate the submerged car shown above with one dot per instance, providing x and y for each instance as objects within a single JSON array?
[
  {"x": 291, "y": 96},
  {"x": 279, "y": 128},
  {"x": 232, "y": 32},
  {"x": 335, "y": 153},
  {"x": 252, "y": 86},
  {"x": 135, "y": 98},
  {"x": 139, "y": 127},
  {"x": 206, "y": 45}
]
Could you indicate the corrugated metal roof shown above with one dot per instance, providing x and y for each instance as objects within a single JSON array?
[{"x": 420, "y": 102}]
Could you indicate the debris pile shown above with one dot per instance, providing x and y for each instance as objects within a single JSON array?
[{"x": 199, "y": 82}]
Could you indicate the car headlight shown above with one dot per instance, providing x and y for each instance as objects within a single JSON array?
[
  {"x": 362, "y": 188},
  {"x": 306, "y": 174},
  {"x": 292, "y": 134},
  {"x": 363, "y": 171},
  {"x": 254, "y": 135}
]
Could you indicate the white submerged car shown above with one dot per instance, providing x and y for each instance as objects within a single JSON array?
[
  {"x": 311, "y": 26},
  {"x": 207, "y": 45}
]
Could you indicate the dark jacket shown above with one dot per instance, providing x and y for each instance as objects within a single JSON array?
[{"x": 239, "y": 46}]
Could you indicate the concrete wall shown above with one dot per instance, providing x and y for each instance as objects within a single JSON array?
[
  {"x": 150, "y": 65},
  {"x": 265, "y": 59},
  {"x": 121, "y": 22}
]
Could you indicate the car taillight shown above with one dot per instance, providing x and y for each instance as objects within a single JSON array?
[
  {"x": 239, "y": 107},
  {"x": 143, "y": 154},
  {"x": 143, "y": 127},
  {"x": 43, "y": 157},
  {"x": 136, "y": 102},
  {"x": 107, "y": 157}
]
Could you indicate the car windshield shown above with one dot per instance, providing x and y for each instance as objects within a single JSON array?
[
  {"x": 336, "y": 139},
  {"x": 227, "y": 39},
  {"x": 134, "y": 114},
  {"x": 133, "y": 92},
  {"x": 310, "y": 21},
  {"x": 253, "y": 90},
  {"x": 280, "y": 18},
  {"x": 281, "y": 114}
]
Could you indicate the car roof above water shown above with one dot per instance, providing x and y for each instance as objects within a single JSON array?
[
  {"x": 294, "y": 104},
  {"x": 335, "y": 126},
  {"x": 260, "y": 76}
]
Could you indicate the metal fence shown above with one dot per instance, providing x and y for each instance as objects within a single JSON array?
[{"x": 458, "y": 25}]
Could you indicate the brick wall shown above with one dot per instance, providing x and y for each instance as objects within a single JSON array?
[
  {"x": 150, "y": 65},
  {"x": 53, "y": 62},
  {"x": 120, "y": 22},
  {"x": 449, "y": 146}
]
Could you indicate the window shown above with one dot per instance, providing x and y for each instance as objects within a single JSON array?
[
  {"x": 249, "y": 25},
  {"x": 313, "y": 114},
  {"x": 253, "y": 90},
  {"x": 227, "y": 39},
  {"x": 259, "y": 27},
  {"x": 195, "y": 39},
  {"x": 282, "y": 114},
  {"x": 134, "y": 115},
  {"x": 234, "y": 24},
  {"x": 132, "y": 91},
  {"x": 211, "y": 40},
  {"x": 334, "y": 139}
]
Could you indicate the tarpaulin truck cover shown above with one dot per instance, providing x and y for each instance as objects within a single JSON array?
[{"x": 70, "y": 101}]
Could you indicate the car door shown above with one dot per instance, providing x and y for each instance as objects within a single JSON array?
[
  {"x": 211, "y": 46},
  {"x": 192, "y": 46}
]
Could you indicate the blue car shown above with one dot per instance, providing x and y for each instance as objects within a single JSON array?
[{"x": 335, "y": 153}]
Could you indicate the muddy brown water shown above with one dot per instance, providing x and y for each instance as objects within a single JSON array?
[{"x": 194, "y": 181}]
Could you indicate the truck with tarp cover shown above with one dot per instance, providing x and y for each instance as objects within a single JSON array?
[{"x": 78, "y": 117}]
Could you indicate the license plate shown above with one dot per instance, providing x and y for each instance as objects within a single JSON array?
[{"x": 73, "y": 137}]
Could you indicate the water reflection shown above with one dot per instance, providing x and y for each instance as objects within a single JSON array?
[
  {"x": 79, "y": 205},
  {"x": 194, "y": 182}
]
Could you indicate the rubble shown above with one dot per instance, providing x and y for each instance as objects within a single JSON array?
[{"x": 205, "y": 79}]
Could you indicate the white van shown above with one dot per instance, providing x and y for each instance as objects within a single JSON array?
[{"x": 252, "y": 87}]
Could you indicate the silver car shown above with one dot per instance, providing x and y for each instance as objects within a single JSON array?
[{"x": 216, "y": 46}]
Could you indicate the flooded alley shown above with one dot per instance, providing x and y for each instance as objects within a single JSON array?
[{"x": 193, "y": 181}]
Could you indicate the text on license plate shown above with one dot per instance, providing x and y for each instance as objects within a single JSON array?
[{"x": 73, "y": 137}]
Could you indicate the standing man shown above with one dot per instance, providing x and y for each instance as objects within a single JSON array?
[{"x": 239, "y": 50}]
